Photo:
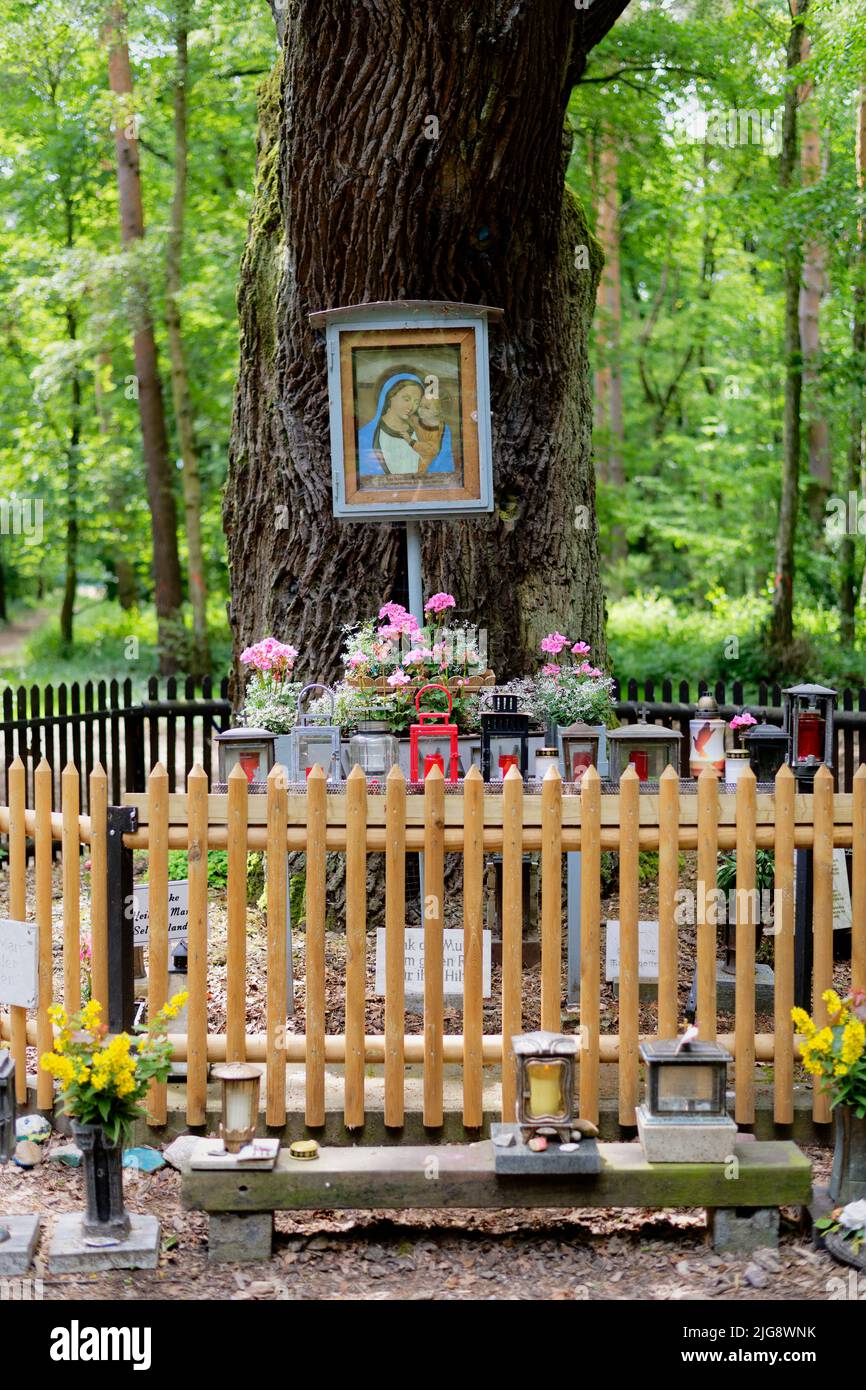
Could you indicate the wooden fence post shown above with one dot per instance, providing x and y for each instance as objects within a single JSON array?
[
  {"x": 744, "y": 987},
  {"x": 277, "y": 964},
  {"x": 858, "y": 882},
  {"x": 44, "y": 1027},
  {"x": 395, "y": 951},
  {"x": 783, "y": 948},
  {"x": 512, "y": 932},
  {"x": 18, "y": 909},
  {"x": 551, "y": 901},
  {"x": 434, "y": 925},
  {"x": 70, "y": 798},
  {"x": 356, "y": 946},
  {"x": 629, "y": 995},
  {"x": 236, "y": 952},
  {"x": 196, "y": 1056},
  {"x": 669, "y": 873},
  {"x": 317, "y": 808},
  {"x": 708, "y": 854},
  {"x": 822, "y": 918},
  {"x": 157, "y": 912},
  {"x": 590, "y": 938},
  {"x": 473, "y": 946}
]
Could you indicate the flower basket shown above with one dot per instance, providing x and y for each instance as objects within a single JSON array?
[{"x": 379, "y": 684}]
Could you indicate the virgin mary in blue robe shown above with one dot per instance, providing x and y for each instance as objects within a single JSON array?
[{"x": 383, "y": 450}]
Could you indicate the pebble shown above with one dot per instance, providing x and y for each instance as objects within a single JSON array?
[
  {"x": 585, "y": 1128},
  {"x": 756, "y": 1277},
  {"x": 537, "y": 1144}
]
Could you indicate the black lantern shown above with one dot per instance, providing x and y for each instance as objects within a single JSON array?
[
  {"x": 504, "y": 739},
  {"x": 809, "y": 722},
  {"x": 648, "y": 748},
  {"x": 579, "y": 749},
  {"x": 767, "y": 746},
  {"x": 684, "y": 1118},
  {"x": 250, "y": 749}
]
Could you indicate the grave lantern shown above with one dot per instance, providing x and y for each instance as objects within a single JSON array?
[
  {"x": 504, "y": 738},
  {"x": 706, "y": 738},
  {"x": 808, "y": 711},
  {"x": 374, "y": 749},
  {"x": 648, "y": 748},
  {"x": 545, "y": 1082},
  {"x": 545, "y": 759},
  {"x": 433, "y": 740},
  {"x": 313, "y": 742},
  {"x": 240, "y": 1104},
  {"x": 684, "y": 1117},
  {"x": 250, "y": 749},
  {"x": 767, "y": 746},
  {"x": 579, "y": 749}
]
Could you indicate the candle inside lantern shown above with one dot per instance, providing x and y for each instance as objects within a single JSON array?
[
  {"x": 810, "y": 734},
  {"x": 545, "y": 1089},
  {"x": 238, "y": 1109},
  {"x": 250, "y": 764},
  {"x": 579, "y": 763},
  {"x": 639, "y": 759},
  {"x": 433, "y": 760}
]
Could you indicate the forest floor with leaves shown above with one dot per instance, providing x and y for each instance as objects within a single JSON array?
[{"x": 578, "y": 1254}]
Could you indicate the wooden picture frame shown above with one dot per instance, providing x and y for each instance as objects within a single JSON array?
[{"x": 409, "y": 409}]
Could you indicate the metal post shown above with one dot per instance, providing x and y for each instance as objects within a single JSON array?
[
  {"x": 122, "y": 820},
  {"x": 803, "y": 907},
  {"x": 413, "y": 569}
]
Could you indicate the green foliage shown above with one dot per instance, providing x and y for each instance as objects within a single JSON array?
[
  {"x": 217, "y": 866},
  {"x": 765, "y": 870}
]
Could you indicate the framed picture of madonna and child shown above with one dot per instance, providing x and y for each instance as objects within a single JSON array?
[{"x": 409, "y": 408}]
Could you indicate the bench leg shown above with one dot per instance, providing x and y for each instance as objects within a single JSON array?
[
  {"x": 234, "y": 1237},
  {"x": 740, "y": 1230}
]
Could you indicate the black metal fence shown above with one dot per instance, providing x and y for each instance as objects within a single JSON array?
[{"x": 100, "y": 721}]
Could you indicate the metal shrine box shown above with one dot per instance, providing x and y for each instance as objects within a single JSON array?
[
  {"x": 545, "y": 1082},
  {"x": 311, "y": 741},
  {"x": 250, "y": 749},
  {"x": 504, "y": 738},
  {"x": 684, "y": 1117},
  {"x": 808, "y": 714}
]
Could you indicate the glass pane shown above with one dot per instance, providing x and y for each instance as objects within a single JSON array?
[
  {"x": 689, "y": 1089},
  {"x": 315, "y": 749},
  {"x": 253, "y": 761},
  {"x": 504, "y": 753},
  {"x": 544, "y": 1080}
]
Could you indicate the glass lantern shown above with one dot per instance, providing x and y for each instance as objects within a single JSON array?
[
  {"x": 545, "y": 759},
  {"x": 312, "y": 742},
  {"x": 767, "y": 746},
  {"x": 374, "y": 749},
  {"x": 240, "y": 1104},
  {"x": 706, "y": 738},
  {"x": 808, "y": 711},
  {"x": 504, "y": 739},
  {"x": 648, "y": 748},
  {"x": 433, "y": 740},
  {"x": 250, "y": 749},
  {"x": 579, "y": 749},
  {"x": 685, "y": 1079},
  {"x": 545, "y": 1082}
]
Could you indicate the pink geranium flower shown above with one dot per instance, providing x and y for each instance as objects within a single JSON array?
[
  {"x": 580, "y": 649},
  {"x": 743, "y": 721},
  {"x": 437, "y": 603},
  {"x": 270, "y": 655},
  {"x": 553, "y": 643},
  {"x": 398, "y": 678},
  {"x": 551, "y": 669}
]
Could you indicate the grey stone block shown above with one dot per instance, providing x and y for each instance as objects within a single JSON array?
[
  {"x": 726, "y": 988},
  {"x": 17, "y": 1252},
  {"x": 240, "y": 1238},
  {"x": 685, "y": 1140},
  {"x": 69, "y": 1251},
  {"x": 740, "y": 1232},
  {"x": 582, "y": 1161}
]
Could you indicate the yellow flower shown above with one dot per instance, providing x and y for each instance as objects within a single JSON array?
[
  {"x": 802, "y": 1022},
  {"x": 853, "y": 1040},
  {"x": 57, "y": 1014},
  {"x": 822, "y": 1041},
  {"x": 90, "y": 1015},
  {"x": 840, "y": 1069},
  {"x": 834, "y": 1005}
]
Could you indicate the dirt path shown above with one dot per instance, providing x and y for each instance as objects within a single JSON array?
[{"x": 14, "y": 635}]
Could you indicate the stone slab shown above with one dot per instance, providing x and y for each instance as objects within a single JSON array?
[
  {"x": 584, "y": 1160},
  {"x": 16, "y": 1253},
  {"x": 737, "y": 1232},
  {"x": 726, "y": 988},
  {"x": 234, "y": 1239},
  {"x": 431, "y": 1176},
  {"x": 688, "y": 1141},
  {"x": 68, "y": 1252}
]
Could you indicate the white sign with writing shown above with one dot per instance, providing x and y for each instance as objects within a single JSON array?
[
  {"x": 19, "y": 965},
  {"x": 841, "y": 892},
  {"x": 452, "y": 953},
  {"x": 647, "y": 952},
  {"x": 178, "y": 911}
]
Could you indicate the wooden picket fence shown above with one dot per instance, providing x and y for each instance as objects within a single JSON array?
[{"x": 473, "y": 821}]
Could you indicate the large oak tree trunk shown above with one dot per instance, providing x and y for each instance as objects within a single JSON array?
[{"x": 419, "y": 152}]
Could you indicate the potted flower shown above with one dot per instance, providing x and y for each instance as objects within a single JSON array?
[
  {"x": 569, "y": 688},
  {"x": 397, "y": 655},
  {"x": 271, "y": 698},
  {"x": 739, "y": 724},
  {"x": 103, "y": 1082},
  {"x": 843, "y": 1233},
  {"x": 837, "y": 1053}
]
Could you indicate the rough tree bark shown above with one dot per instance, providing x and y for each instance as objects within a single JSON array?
[
  {"x": 168, "y": 594},
  {"x": 782, "y": 617},
  {"x": 849, "y": 584},
  {"x": 200, "y": 652},
  {"x": 355, "y": 203}
]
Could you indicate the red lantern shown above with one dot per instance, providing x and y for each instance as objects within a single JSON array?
[{"x": 438, "y": 735}]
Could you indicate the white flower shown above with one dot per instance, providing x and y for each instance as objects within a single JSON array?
[{"x": 853, "y": 1217}]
